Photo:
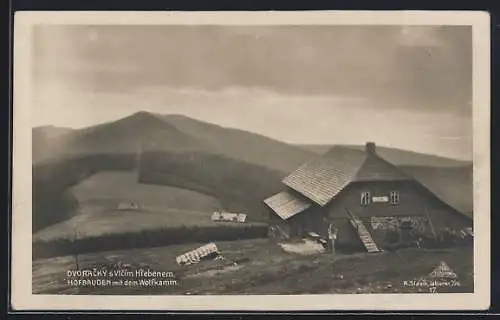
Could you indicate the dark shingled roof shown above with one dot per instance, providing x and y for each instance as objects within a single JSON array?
[
  {"x": 321, "y": 179},
  {"x": 286, "y": 205},
  {"x": 376, "y": 168}
]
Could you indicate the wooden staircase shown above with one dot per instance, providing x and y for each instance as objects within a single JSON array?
[
  {"x": 364, "y": 234},
  {"x": 284, "y": 235}
]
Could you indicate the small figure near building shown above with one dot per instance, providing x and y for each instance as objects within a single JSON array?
[{"x": 332, "y": 236}]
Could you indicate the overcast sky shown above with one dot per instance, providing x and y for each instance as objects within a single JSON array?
[{"x": 407, "y": 87}]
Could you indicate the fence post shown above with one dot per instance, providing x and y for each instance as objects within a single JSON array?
[{"x": 332, "y": 236}]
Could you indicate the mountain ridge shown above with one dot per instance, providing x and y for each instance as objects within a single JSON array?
[
  {"x": 395, "y": 155},
  {"x": 174, "y": 132},
  {"x": 214, "y": 148},
  {"x": 143, "y": 129}
]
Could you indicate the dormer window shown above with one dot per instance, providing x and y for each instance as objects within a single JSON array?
[{"x": 365, "y": 198}]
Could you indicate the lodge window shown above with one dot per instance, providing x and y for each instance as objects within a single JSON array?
[
  {"x": 365, "y": 198},
  {"x": 394, "y": 197}
]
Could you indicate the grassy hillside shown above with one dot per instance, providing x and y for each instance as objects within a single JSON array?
[
  {"x": 152, "y": 236},
  {"x": 205, "y": 183},
  {"x": 94, "y": 222},
  {"x": 99, "y": 196},
  {"x": 397, "y": 156},
  {"x": 128, "y": 135},
  {"x": 107, "y": 189},
  {"x": 264, "y": 268},
  {"x": 52, "y": 202},
  {"x": 240, "y": 186},
  {"x": 146, "y": 131},
  {"x": 242, "y": 145},
  {"x": 165, "y": 215}
]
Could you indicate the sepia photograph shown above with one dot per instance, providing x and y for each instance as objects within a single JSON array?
[{"x": 183, "y": 156}]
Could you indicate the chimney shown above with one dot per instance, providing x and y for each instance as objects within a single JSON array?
[{"x": 370, "y": 148}]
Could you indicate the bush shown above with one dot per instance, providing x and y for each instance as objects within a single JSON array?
[
  {"x": 392, "y": 236},
  {"x": 451, "y": 238}
]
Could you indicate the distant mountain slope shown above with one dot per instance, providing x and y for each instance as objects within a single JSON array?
[
  {"x": 316, "y": 148},
  {"x": 132, "y": 134},
  {"x": 144, "y": 130},
  {"x": 51, "y": 132},
  {"x": 242, "y": 145},
  {"x": 47, "y": 139},
  {"x": 172, "y": 133},
  {"x": 397, "y": 156},
  {"x": 453, "y": 185},
  {"x": 140, "y": 131}
]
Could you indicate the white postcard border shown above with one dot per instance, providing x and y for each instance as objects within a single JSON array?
[{"x": 21, "y": 264}]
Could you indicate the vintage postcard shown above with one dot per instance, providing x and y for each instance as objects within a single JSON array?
[{"x": 243, "y": 161}]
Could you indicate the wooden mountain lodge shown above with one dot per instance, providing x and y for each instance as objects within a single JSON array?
[{"x": 361, "y": 195}]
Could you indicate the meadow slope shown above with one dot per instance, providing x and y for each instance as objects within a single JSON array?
[
  {"x": 264, "y": 268},
  {"x": 239, "y": 169}
]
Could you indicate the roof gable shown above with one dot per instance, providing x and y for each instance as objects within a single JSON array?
[
  {"x": 325, "y": 176},
  {"x": 377, "y": 169},
  {"x": 321, "y": 179}
]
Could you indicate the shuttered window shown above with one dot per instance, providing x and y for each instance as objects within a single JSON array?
[
  {"x": 394, "y": 197},
  {"x": 365, "y": 198}
]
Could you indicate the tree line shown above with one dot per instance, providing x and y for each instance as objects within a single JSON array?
[
  {"x": 147, "y": 238},
  {"x": 52, "y": 200}
]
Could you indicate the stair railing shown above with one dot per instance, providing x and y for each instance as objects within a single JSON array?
[{"x": 353, "y": 218}]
